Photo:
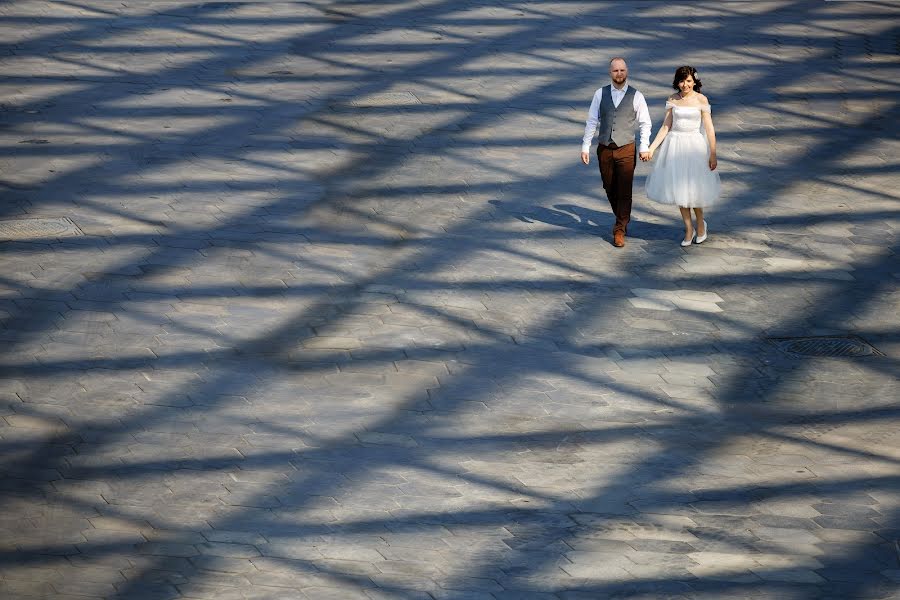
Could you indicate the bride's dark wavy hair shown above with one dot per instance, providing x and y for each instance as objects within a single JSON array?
[{"x": 682, "y": 73}]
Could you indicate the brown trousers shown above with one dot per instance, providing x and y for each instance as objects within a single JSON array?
[{"x": 617, "y": 173}]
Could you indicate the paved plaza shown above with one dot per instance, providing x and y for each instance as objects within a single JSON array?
[{"x": 315, "y": 300}]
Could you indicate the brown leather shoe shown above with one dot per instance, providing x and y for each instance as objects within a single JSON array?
[{"x": 618, "y": 239}]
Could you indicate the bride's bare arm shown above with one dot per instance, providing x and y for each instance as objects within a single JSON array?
[
  {"x": 710, "y": 137},
  {"x": 663, "y": 131}
]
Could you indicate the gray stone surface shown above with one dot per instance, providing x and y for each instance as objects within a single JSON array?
[{"x": 345, "y": 320}]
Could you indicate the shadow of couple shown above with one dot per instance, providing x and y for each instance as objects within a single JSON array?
[{"x": 583, "y": 219}]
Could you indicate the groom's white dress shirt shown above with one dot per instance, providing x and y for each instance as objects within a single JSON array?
[{"x": 640, "y": 107}]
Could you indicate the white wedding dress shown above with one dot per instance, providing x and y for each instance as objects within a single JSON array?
[{"x": 681, "y": 174}]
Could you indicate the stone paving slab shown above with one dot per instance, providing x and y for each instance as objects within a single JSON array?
[{"x": 344, "y": 319}]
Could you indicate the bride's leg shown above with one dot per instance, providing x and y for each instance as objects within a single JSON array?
[
  {"x": 688, "y": 226},
  {"x": 701, "y": 229}
]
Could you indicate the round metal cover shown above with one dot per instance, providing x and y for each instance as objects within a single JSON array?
[{"x": 827, "y": 346}]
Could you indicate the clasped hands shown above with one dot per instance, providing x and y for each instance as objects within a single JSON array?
[{"x": 645, "y": 156}]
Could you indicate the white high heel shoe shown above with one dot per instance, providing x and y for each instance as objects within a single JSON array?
[
  {"x": 701, "y": 239},
  {"x": 687, "y": 242}
]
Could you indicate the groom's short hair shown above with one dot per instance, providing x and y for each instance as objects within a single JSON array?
[{"x": 615, "y": 58}]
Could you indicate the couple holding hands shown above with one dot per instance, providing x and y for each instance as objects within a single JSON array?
[{"x": 684, "y": 169}]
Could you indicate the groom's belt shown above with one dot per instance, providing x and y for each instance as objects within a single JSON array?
[{"x": 613, "y": 145}]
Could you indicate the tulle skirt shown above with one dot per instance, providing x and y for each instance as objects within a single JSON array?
[{"x": 681, "y": 174}]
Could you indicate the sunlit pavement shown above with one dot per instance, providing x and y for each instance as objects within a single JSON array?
[{"x": 316, "y": 300}]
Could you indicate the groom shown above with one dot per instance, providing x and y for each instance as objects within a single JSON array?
[{"x": 616, "y": 108}]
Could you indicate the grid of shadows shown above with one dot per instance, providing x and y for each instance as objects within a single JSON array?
[{"x": 344, "y": 324}]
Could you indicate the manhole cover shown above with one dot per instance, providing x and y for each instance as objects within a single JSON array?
[
  {"x": 26, "y": 229},
  {"x": 826, "y": 346}
]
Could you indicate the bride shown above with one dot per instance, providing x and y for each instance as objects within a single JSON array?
[{"x": 684, "y": 172}]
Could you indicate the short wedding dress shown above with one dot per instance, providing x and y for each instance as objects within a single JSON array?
[{"x": 681, "y": 174}]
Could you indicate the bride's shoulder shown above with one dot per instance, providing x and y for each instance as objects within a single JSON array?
[{"x": 703, "y": 99}]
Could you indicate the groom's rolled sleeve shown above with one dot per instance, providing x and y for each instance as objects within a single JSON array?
[
  {"x": 590, "y": 127},
  {"x": 643, "y": 119}
]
